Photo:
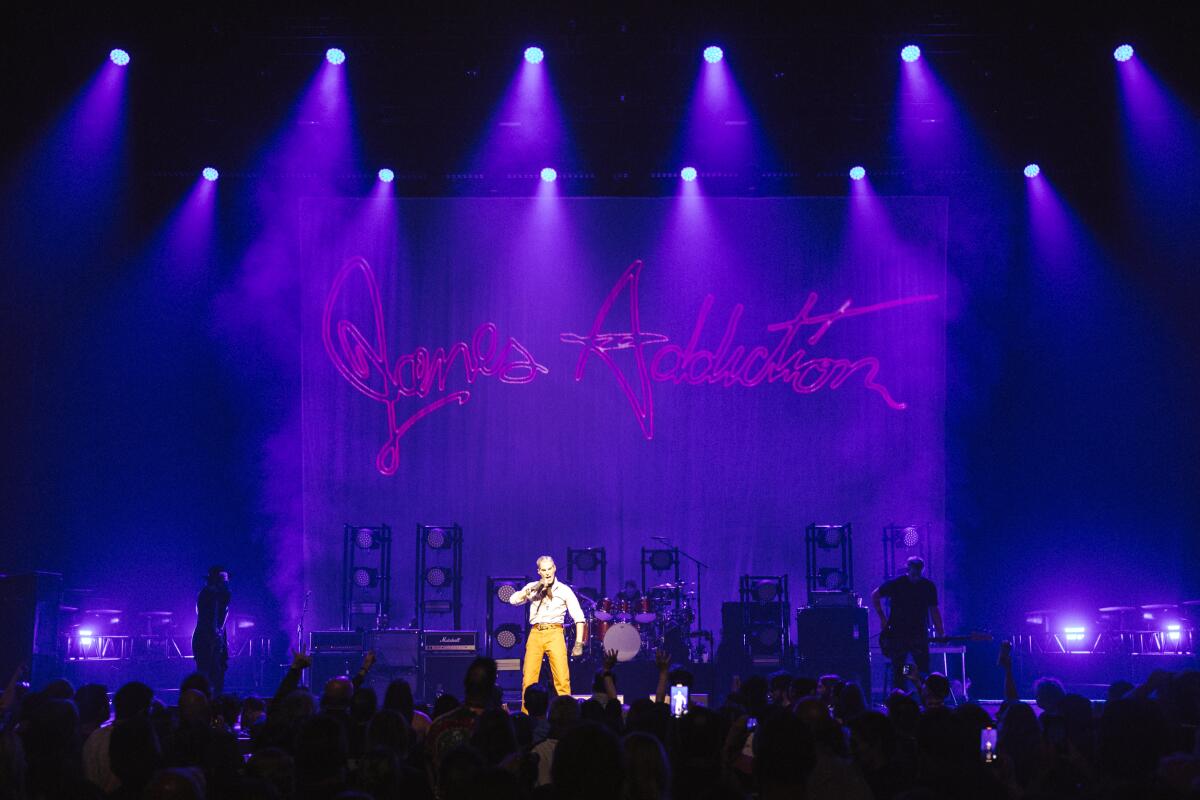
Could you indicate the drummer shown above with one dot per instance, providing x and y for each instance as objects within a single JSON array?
[{"x": 630, "y": 593}]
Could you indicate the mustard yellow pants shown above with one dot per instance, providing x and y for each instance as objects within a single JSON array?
[{"x": 552, "y": 643}]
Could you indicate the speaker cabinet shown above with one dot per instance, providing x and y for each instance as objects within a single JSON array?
[
  {"x": 397, "y": 655},
  {"x": 834, "y": 640},
  {"x": 328, "y": 665},
  {"x": 29, "y": 626},
  {"x": 445, "y": 673}
]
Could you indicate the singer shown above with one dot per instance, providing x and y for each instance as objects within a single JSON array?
[{"x": 549, "y": 601}]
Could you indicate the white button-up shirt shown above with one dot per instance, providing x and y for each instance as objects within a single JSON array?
[{"x": 549, "y": 609}]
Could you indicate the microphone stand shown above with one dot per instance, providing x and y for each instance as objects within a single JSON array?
[
  {"x": 700, "y": 567},
  {"x": 300, "y": 625}
]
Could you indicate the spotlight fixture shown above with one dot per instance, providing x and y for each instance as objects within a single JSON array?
[
  {"x": 586, "y": 560},
  {"x": 121, "y": 57},
  {"x": 911, "y": 536},
  {"x": 365, "y": 578},
  {"x": 713, "y": 54},
  {"x": 1032, "y": 170},
  {"x": 437, "y": 577},
  {"x": 857, "y": 173},
  {"x": 662, "y": 560},
  {"x": 364, "y": 539},
  {"x": 1074, "y": 633},
  {"x": 507, "y": 636},
  {"x": 504, "y": 591},
  {"x": 534, "y": 55},
  {"x": 210, "y": 173},
  {"x": 549, "y": 174},
  {"x": 833, "y": 579},
  {"x": 386, "y": 175},
  {"x": 766, "y": 591},
  {"x": 910, "y": 53},
  {"x": 1122, "y": 53},
  {"x": 437, "y": 539},
  {"x": 688, "y": 174},
  {"x": 335, "y": 56},
  {"x": 830, "y": 537}
]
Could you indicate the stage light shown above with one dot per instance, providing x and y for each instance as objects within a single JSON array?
[
  {"x": 437, "y": 577},
  {"x": 662, "y": 560},
  {"x": 364, "y": 538},
  {"x": 857, "y": 173},
  {"x": 1074, "y": 633},
  {"x": 766, "y": 591},
  {"x": 830, "y": 537},
  {"x": 910, "y": 53},
  {"x": 713, "y": 54},
  {"x": 335, "y": 56},
  {"x": 210, "y": 173},
  {"x": 507, "y": 636},
  {"x": 688, "y": 174},
  {"x": 832, "y": 579},
  {"x": 437, "y": 539},
  {"x": 534, "y": 55},
  {"x": 1173, "y": 631},
  {"x": 549, "y": 174},
  {"x": 504, "y": 591},
  {"x": 386, "y": 175},
  {"x": 1122, "y": 53},
  {"x": 365, "y": 578},
  {"x": 586, "y": 560},
  {"x": 1032, "y": 170},
  {"x": 121, "y": 57},
  {"x": 911, "y": 536}
]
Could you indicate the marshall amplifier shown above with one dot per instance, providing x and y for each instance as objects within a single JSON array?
[
  {"x": 445, "y": 657},
  {"x": 461, "y": 643}
]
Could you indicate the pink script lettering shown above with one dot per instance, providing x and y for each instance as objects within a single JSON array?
[
  {"x": 363, "y": 361},
  {"x": 728, "y": 365}
]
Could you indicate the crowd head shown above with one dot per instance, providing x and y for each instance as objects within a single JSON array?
[{"x": 775, "y": 736}]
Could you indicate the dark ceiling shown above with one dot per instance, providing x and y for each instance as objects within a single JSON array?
[{"x": 211, "y": 85}]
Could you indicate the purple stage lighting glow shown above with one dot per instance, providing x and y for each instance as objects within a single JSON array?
[
  {"x": 335, "y": 56},
  {"x": 549, "y": 174},
  {"x": 713, "y": 54},
  {"x": 121, "y": 58},
  {"x": 386, "y": 175},
  {"x": 1032, "y": 170},
  {"x": 1075, "y": 633},
  {"x": 857, "y": 173},
  {"x": 910, "y": 53},
  {"x": 534, "y": 55},
  {"x": 1122, "y": 53},
  {"x": 688, "y": 174},
  {"x": 210, "y": 173}
]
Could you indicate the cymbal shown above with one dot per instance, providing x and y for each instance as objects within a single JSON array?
[{"x": 679, "y": 585}]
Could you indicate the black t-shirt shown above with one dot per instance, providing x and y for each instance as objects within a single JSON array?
[
  {"x": 212, "y": 606},
  {"x": 908, "y": 604}
]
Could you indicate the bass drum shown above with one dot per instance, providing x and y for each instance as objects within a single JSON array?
[{"x": 625, "y": 639}]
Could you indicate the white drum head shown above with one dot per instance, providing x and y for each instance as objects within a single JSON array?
[{"x": 625, "y": 639}]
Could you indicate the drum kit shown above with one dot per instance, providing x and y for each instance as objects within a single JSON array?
[{"x": 657, "y": 620}]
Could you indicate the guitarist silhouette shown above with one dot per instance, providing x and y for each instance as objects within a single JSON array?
[{"x": 912, "y": 605}]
